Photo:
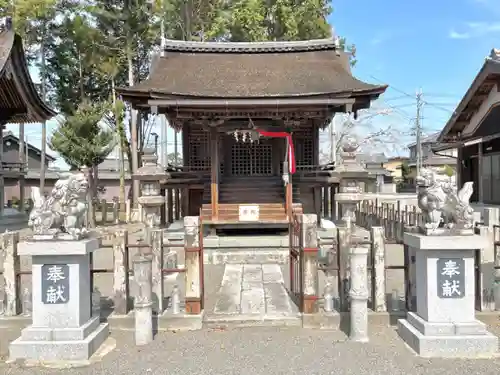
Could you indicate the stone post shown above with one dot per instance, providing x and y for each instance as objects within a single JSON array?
[
  {"x": 193, "y": 276},
  {"x": 157, "y": 274},
  {"x": 121, "y": 286},
  {"x": 444, "y": 323},
  {"x": 496, "y": 276},
  {"x": 143, "y": 304},
  {"x": 310, "y": 262},
  {"x": 344, "y": 247},
  {"x": 11, "y": 268},
  {"x": 379, "y": 287},
  {"x": 358, "y": 293},
  {"x": 486, "y": 277},
  {"x": 116, "y": 210}
]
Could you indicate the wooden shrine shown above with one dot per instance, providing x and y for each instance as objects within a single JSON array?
[
  {"x": 250, "y": 115},
  {"x": 19, "y": 103}
]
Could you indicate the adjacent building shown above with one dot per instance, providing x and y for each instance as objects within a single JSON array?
[
  {"x": 433, "y": 156},
  {"x": 474, "y": 131}
]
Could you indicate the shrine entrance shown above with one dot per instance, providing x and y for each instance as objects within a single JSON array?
[{"x": 249, "y": 159}]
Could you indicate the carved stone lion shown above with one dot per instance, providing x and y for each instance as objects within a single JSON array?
[
  {"x": 441, "y": 202},
  {"x": 64, "y": 211},
  {"x": 431, "y": 198}
]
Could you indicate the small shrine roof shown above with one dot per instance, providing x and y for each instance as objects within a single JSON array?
[{"x": 252, "y": 70}]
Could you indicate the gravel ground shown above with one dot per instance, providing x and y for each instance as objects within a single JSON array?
[{"x": 267, "y": 351}]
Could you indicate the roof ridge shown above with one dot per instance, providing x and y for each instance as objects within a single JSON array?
[
  {"x": 241, "y": 47},
  {"x": 495, "y": 54}
]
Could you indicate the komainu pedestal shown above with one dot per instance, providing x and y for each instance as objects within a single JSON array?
[
  {"x": 444, "y": 324},
  {"x": 63, "y": 327}
]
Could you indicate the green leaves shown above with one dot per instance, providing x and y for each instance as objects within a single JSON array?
[{"x": 84, "y": 138}]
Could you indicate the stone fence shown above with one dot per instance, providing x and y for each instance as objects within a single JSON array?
[
  {"x": 391, "y": 269},
  {"x": 175, "y": 265}
]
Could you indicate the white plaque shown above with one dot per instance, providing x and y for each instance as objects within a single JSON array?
[{"x": 249, "y": 213}]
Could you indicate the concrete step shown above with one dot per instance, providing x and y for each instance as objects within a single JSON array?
[
  {"x": 219, "y": 321},
  {"x": 238, "y": 255}
]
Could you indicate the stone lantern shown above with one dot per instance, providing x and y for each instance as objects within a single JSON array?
[
  {"x": 353, "y": 176},
  {"x": 151, "y": 175}
]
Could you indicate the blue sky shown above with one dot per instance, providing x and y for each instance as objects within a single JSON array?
[{"x": 436, "y": 45}]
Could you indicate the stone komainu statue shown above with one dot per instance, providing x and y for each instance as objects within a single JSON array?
[
  {"x": 441, "y": 203},
  {"x": 64, "y": 211}
]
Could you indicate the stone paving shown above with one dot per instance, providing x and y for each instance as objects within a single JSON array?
[{"x": 256, "y": 290}]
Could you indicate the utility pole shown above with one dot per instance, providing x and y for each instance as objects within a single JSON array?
[{"x": 418, "y": 130}]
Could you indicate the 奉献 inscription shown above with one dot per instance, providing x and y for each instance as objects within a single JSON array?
[
  {"x": 248, "y": 213},
  {"x": 55, "y": 284},
  {"x": 451, "y": 278}
]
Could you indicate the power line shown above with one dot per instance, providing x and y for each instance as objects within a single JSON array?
[{"x": 411, "y": 96}]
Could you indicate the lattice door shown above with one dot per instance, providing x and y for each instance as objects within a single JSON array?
[{"x": 251, "y": 159}]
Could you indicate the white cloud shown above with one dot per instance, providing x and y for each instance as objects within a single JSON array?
[{"x": 475, "y": 29}]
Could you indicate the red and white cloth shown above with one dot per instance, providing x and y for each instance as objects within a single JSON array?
[{"x": 291, "y": 151}]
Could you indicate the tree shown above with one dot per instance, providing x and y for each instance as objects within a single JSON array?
[
  {"x": 29, "y": 18},
  {"x": 172, "y": 160},
  {"x": 73, "y": 60},
  {"x": 82, "y": 141},
  {"x": 361, "y": 131}
]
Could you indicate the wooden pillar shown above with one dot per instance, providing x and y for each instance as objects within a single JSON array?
[
  {"x": 214, "y": 160},
  {"x": 289, "y": 199},
  {"x": 480, "y": 171},
  {"x": 22, "y": 160},
  {"x": 460, "y": 172},
  {"x": 135, "y": 157}
]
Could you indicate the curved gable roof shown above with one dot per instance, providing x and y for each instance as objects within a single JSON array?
[
  {"x": 18, "y": 97},
  {"x": 252, "y": 70}
]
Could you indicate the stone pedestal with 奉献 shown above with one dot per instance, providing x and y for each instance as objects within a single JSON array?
[
  {"x": 444, "y": 324},
  {"x": 63, "y": 327}
]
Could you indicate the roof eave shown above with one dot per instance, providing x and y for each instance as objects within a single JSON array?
[
  {"x": 38, "y": 110},
  {"x": 489, "y": 66}
]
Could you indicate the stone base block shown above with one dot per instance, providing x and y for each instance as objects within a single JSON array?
[
  {"x": 446, "y": 329},
  {"x": 447, "y": 346},
  {"x": 60, "y": 334},
  {"x": 64, "y": 350}
]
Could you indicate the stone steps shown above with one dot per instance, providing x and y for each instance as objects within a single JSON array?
[{"x": 252, "y": 295}]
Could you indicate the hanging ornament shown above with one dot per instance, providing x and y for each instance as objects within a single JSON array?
[
  {"x": 235, "y": 135},
  {"x": 245, "y": 136},
  {"x": 254, "y": 136}
]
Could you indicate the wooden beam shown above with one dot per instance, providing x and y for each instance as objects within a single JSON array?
[
  {"x": 250, "y": 102},
  {"x": 214, "y": 161}
]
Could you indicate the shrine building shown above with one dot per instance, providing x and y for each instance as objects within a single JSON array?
[
  {"x": 473, "y": 131},
  {"x": 250, "y": 116},
  {"x": 19, "y": 103}
]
